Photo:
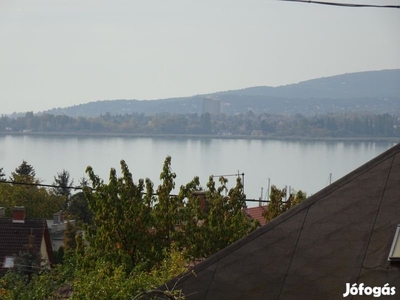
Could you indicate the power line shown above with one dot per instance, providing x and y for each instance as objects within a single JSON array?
[
  {"x": 42, "y": 185},
  {"x": 343, "y": 4},
  {"x": 81, "y": 188}
]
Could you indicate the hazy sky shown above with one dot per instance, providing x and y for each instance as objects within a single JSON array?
[{"x": 57, "y": 53}]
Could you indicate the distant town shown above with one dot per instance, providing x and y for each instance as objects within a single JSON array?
[{"x": 357, "y": 105}]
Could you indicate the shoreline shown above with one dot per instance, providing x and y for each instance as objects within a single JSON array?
[{"x": 207, "y": 136}]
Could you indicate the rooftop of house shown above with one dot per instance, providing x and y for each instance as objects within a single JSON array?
[
  {"x": 14, "y": 235},
  {"x": 342, "y": 234},
  {"x": 257, "y": 213}
]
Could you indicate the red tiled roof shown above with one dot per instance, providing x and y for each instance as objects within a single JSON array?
[{"x": 257, "y": 213}]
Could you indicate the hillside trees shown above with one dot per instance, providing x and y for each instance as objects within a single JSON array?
[
  {"x": 205, "y": 123},
  {"x": 276, "y": 125}
]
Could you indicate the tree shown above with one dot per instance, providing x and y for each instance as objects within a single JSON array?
[
  {"x": 138, "y": 238},
  {"x": 277, "y": 205},
  {"x": 79, "y": 209},
  {"x": 122, "y": 223},
  {"x": 107, "y": 281},
  {"x": 64, "y": 184},
  {"x": 28, "y": 262},
  {"x": 2, "y": 175},
  {"x": 23, "y": 173},
  {"x": 38, "y": 202},
  {"x": 214, "y": 218},
  {"x": 69, "y": 237},
  {"x": 206, "y": 125},
  {"x": 167, "y": 210},
  {"x": 62, "y": 180},
  {"x": 132, "y": 225}
]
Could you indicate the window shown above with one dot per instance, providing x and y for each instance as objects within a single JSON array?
[
  {"x": 394, "y": 254},
  {"x": 8, "y": 262}
]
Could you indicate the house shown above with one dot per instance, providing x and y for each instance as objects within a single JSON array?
[
  {"x": 57, "y": 228},
  {"x": 256, "y": 213},
  {"x": 343, "y": 241},
  {"x": 256, "y": 133},
  {"x": 15, "y": 234}
]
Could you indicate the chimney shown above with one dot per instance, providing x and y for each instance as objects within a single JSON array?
[
  {"x": 201, "y": 195},
  {"x": 18, "y": 214},
  {"x": 58, "y": 218},
  {"x": 2, "y": 212}
]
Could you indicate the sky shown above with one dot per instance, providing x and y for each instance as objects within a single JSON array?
[{"x": 68, "y": 52}]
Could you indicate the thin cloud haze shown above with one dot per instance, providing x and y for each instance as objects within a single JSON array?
[{"x": 57, "y": 54}]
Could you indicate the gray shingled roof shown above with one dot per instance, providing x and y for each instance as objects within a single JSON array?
[{"x": 340, "y": 235}]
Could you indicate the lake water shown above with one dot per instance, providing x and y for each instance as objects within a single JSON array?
[{"x": 304, "y": 165}]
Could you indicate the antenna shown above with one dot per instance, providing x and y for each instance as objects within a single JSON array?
[{"x": 237, "y": 175}]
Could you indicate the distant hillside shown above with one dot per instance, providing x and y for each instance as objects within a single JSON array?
[
  {"x": 385, "y": 83},
  {"x": 374, "y": 91}
]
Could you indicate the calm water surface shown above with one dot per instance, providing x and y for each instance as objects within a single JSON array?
[{"x": 301, "y": 165}]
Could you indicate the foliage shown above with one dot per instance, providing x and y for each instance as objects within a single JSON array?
[
  {"x": 337, "y": 124},
  {"x": 28, "y": 261},
  {"x": 2, "y": 175},
  {"x": 78, "y": 208},
  {"x": 41, "y": 286},
  {"x": 59, "y": 255},
  {"x": 122, "y": 222},
  {"x": 102, "y": 281},
  {"x": 28, "y": 279},
  {"x": 132, "y": 226},
  {"x": 107, "y": 281},
  {"x": 278, "y": 203},
  {"x": 64, "y": 184},
  {"x": 24, "y": 173},
  {"x": 205, "y": 123},
  {"x": 70, "y": 237},
  {"x": 138, "y": 238},
  {"x": 213, "y": 220},
  {"x": 12, "y": 286},
  {"x": 38, "y": 201}
]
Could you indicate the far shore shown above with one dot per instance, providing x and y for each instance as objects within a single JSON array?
[{"x": 207, "y": 136}]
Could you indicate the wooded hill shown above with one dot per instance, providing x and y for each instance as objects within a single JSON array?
[{"x": 367, "y": 92}]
